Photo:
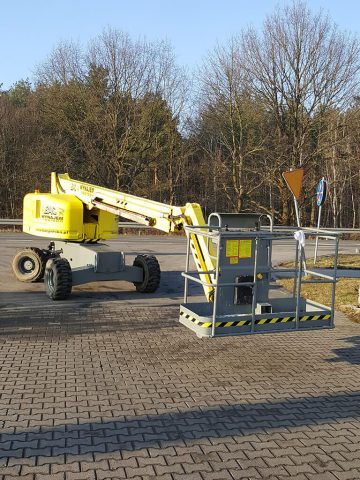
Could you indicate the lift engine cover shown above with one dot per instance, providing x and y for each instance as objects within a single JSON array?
[{"x": 64, "y": 217}]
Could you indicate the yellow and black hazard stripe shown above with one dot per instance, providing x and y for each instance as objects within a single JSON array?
[
  {"x": 261, "y": 321},
  {"x": 200, "y": 263}
]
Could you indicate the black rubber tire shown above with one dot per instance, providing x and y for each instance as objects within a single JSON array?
[
  {"x": 29, "y": 264},
  {"x": 152, "y": 273},
  {"x": 58, "y": 279}
]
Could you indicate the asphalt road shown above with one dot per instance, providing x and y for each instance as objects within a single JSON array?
[{"x": 169, "y": 250}]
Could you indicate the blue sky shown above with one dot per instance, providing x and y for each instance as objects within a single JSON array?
[{"x": 29, "y": 29}]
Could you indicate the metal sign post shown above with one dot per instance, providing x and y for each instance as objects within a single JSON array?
[
  {"x": 320, "y": 199},
  {"x": 294, "y": 179},
  {"x": 297, "y": 212}
]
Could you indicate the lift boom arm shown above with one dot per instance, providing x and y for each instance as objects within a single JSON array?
[
  {"x": 161, "y": 216},
  {"x": 147, "y": 212}
]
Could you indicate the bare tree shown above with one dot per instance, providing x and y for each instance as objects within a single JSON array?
[
  {"x": 143, "y": 80},
  {"x": 65, "y": 63},
  {"x": 117, "y": 103},
  {"x": 300, "y": 65},
  {"x": 229, "y": 123}
]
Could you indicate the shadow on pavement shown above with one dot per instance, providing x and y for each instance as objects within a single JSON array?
[
  {"x": 165, "y": 429},
  {"x": 66, "y": 321},
  {"x": 34, "y": 314},
  {"x": 171, "y": 286},
  {"x": 349, "y": 354}
]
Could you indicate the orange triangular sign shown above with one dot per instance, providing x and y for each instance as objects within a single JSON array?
[{"x": 294, "y": 179}]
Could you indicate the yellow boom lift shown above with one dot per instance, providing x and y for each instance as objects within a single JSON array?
[
  {"x": 78, "y": 215},
  {"x": 232, "y": 255}
]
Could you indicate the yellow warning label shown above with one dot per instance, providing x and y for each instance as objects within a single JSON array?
[
  {"x": 234, "y": 260},
  {"x": 232, "y": 248},
  {"x": 245, "y": 248}
]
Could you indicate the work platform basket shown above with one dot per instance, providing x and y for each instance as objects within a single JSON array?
[{"x": 240, "y": 288}]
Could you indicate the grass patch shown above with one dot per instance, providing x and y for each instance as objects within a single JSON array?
[
  {"x": 346, "y": 288},
  {"x": 346, "y": 294},
  {"x": 345, "y": 261}
]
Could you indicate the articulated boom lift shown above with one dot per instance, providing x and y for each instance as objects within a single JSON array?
[
  {"x": 232, "y": 254},
  {"x": 78, "y": 216}
]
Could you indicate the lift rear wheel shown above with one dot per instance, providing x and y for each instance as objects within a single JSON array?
[
  {"x": 151, "y": 269},
  {"x": 29, "y": 264},
  {"x": 58, "y": 279}
]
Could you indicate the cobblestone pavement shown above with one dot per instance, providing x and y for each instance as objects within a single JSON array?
[{"x": 107, "y": 391}]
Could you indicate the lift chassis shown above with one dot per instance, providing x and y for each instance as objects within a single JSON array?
[
  {"x": 77, "y": 217},
  {"x": 66, "y": 264}
]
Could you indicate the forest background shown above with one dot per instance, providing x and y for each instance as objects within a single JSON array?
[{"x": 120, "y": 112}]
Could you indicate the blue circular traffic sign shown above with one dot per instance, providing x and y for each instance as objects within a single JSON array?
[{"x": 321, "y": 192}]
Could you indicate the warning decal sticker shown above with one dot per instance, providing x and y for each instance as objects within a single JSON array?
[
  {"x": 245, "y": 248},
  {"x": 232, "y": 248}
]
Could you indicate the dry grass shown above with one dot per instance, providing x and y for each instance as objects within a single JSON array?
[
  {"x": 346, "y": 294},
  {"x": 347, "y": 289},
  {"x": 345, "y": 261}
]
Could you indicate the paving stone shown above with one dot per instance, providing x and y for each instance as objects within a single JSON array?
[
  {"x": 11, "y": 471},
  {"x": 30, "y": 476},
  {"x": 118, "y": 391},
  {"x": 348, "y": 474},
  {"x": 49, "y": 476},
  {"x": 73, "y": 467},
  {"x": 89, "y": 475},
  {"x": 158, "y": 460},
  {"x": 245, "y": 474},
  {"x": 39, "y": 469},
  {"x": 191, "y": 476},
  {"x": 218, "y": 475},
  {"x": 140, "y": 471}
]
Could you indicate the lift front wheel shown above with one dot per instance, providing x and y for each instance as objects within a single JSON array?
[
  {"x": 151, "y": 269},
  {"x": 58, "y": 279},
  {"x": 29, "y": 264}
]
